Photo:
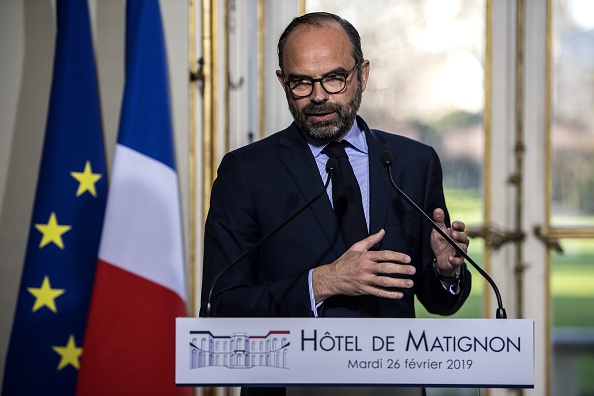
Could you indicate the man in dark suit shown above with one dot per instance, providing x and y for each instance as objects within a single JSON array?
[{"x": 311, "y": 267}]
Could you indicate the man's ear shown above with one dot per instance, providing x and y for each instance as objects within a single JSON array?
[
  {"x": 281, "y": 80},
  {"x": 364, "y": 73}
]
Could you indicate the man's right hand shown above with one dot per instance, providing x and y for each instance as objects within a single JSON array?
[{"x": 360, "y": 271}]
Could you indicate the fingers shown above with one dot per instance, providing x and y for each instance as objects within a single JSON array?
[
  {"x": 367, "y": 243},
  {"x": 361, "y": 271},
  {"x": 373, "y": 273},
  {"x": 397, "y": 264},
  {"x": 392, "y": 294},
  {"x": 456, "y": 232},
  {"x": 460, "y": 236},
  {"x": 382, "y": 286},
  {"x": 384, "y": 262},
  {"x": 448, "y": 258},
  {"x": 439, "y": 218},
  {"x": 458, "y": 225}
]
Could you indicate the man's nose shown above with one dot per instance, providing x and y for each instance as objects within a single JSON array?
[{"x": 318, "y": 93}]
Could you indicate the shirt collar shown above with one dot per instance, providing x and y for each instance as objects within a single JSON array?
[{"x": 355, "y": 137}]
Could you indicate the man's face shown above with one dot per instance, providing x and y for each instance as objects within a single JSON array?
[{"x": 315, "y": 52}]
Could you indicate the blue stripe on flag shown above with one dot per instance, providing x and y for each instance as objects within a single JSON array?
[{"x": 147, "y": 109}]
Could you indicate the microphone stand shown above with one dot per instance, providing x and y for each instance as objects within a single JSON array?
[
  {"x": 331, "y": 166},
  {"x": 387, "y": 162}
]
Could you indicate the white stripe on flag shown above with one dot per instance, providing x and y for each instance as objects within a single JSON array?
[{"x": 142, "y": 229}]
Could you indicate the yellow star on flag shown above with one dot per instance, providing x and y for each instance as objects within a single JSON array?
[
  {"x": 45, "y": 296},
  {"x": 52, "y": 232},
  {"x": 70, "y": 354},
  {"x": 87, "y": 180}
]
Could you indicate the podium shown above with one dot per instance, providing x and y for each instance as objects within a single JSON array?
[{"x": 472, "y": 353}]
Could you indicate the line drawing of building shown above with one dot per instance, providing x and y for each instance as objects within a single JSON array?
[{"x": 239, "y": 350}]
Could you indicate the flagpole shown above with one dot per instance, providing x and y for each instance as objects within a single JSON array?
[{"x": 192, "y": 160}]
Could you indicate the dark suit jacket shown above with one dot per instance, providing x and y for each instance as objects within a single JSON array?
[{"x": 260, "y": 185}]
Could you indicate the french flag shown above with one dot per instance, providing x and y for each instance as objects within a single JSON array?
[{"x": 139, "y": 289}]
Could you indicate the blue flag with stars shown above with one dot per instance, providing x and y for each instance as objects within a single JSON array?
[{"x": 46, "y": 342}]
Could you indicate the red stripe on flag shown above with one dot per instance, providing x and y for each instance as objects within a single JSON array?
[{"x": 130, "y": 341}]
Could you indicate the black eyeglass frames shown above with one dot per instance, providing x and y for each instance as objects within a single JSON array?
[{"x": 332, "y": 83}]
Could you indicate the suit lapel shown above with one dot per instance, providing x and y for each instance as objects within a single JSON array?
[{"x": 299, "y": 162}]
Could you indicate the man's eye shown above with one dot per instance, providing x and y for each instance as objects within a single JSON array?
[
  {"x": 334, "y": 81},
  {"x": 300, "y": 84},
  {"x": 334, "y": 77}
]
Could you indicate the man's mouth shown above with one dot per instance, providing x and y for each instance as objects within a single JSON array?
[{"x": 320, "y": 117}]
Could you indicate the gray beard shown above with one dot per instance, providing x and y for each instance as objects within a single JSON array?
[{"x": 326, "y": 131}]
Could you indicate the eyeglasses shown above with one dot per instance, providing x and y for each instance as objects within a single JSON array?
[{"x": 332, "y": 83}]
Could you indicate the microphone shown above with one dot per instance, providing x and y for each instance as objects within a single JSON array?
[
  {"x": 331, "y": 166},
  {"x": 387, "y": 162}
]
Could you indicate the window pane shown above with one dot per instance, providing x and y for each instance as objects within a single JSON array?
[
  {"x": 572, "y": 288},
  {"x": 572, "y": 173},
  {"x": 426, "y": 82},
  {"x": 572, "y": 127},
  {"x": 572, "y": 284}
]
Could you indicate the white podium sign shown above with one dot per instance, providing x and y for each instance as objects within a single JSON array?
[{"x": 350, "y": 351}]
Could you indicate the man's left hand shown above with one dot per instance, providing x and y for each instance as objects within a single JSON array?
[{"x": 448, "y": 259}]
